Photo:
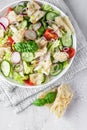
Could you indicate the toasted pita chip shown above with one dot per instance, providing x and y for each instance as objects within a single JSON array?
[
  {"x": 69, "y": 24},
  {"x": 60, "y": 22},
  {"x": 62, "y": 100}
]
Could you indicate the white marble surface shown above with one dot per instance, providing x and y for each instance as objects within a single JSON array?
[{"x": 40, "y": 118}]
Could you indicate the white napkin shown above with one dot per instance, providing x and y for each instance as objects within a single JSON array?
[{"x": 20, "y": 98}]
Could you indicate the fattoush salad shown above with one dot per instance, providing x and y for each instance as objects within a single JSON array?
[{"x": 36, "y": 43}]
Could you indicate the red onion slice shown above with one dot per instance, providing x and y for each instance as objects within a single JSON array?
[
  {"x": 65, "y": 49},
  {"x": 2, "y": 26},
  {"x": 15, "y": 58}
]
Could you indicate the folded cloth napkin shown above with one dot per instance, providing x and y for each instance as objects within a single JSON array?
[{"x": 22, "y": 98}]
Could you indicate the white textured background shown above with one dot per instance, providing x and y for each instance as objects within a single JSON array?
[{"x": 40, "y": 118}]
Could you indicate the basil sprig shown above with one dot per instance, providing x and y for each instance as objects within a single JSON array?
[
  {"x": 26, "y": 46},
  {"x": 48, "y": 99}
]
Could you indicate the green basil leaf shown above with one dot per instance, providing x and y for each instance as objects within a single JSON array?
[
  {"x": 27, "y": 46},
  {"x": 50, "y": 97},
  {"x": 39, "y": 102}
]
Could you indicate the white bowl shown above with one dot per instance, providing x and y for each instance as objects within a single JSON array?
[{"x": 54, "y": 79}]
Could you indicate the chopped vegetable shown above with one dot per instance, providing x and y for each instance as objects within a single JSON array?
[
  {"x": 28, "y": 69},
  {"x": 10, "y": 41},
  {"x": 5, "y": 68},
  {"x": 15, "y": 58},
  {"x": 4, "y": 21},
  {"x": 65, "y": 49},
  {"x": 17, "y": 77},
  {"x": 56, "y": 69},
  {"x": 43, "y": 20},
  {"x": 9, "y": 10},
  {"x": 28, "y": 82},
  {"x": 65, "y": 64},
  {"x": 71, "y": 52},
  {"x": 51, "y": 16},
  {"x": 24, "y": 24},
  {"x": 27, "y": 46},
  {"x": 2, "y": 26},
  {"x": 53, "y": 46},
  {"x": 27, "y": 56},
  {"x": 40, "y": 31},
  {"x": 50, "y": 34},
  {"x": 18, "y": 9},
  {"x": 67, "y": 40},
  {"x": 48, "y": 8}
]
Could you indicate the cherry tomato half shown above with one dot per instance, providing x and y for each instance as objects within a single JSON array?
[
  {"x": 50, "y": 34},
  {"x": 70, "y": 51},
  {"x": 10, "y": 40},
  {"x": 9, "y": 10},
  {"x": 28, "y": 82}
]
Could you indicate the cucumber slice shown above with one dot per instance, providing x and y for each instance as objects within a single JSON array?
[
  {"x": 67, "y": 40},
  {"x": 5, "y": 68},
  {"x": 51, "y": 16},
  {"x": 24, "y": 24},
  {"x": 56, "y": 69},
  {"x": 27, "y": 56}
]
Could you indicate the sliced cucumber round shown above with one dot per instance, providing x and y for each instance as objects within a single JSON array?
[
  {"x": 67, "y": 40},
  {"x": 51, "y": 16},
  {"x": 27, "y": 56},
  {"x": 5, "y": 68},
  {"x": 56, "y": 69}
]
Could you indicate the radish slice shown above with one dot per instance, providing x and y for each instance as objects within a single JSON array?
[
  {"x": 36, "y": 26},
  {"x": 15, "y": 58},
  {"x": 4, "y": 21},
  {"x": 2, "y": 26},
  {"x": 30, "y": 34}
]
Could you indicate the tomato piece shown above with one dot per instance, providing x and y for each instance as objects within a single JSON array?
[
  {"x": 9, "y": 10},
  {"x": 50, "y": 34},
  {"x": 10, "y": 40},
  {"x": 70, "y": 51},
  {"x": 28, "y": 82}
]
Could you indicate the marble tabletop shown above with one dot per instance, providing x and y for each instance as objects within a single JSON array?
[{"x": 35, "y": 118}]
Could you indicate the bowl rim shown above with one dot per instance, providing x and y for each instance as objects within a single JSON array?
[{"x": 52, "y": 81}]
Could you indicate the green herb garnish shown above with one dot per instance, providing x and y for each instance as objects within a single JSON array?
[
  {"x": 27, "y": 46},
  {"x": 48, "y": 99}
]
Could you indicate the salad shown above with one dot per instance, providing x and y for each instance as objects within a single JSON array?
[{"x": 36, "y": 43}]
